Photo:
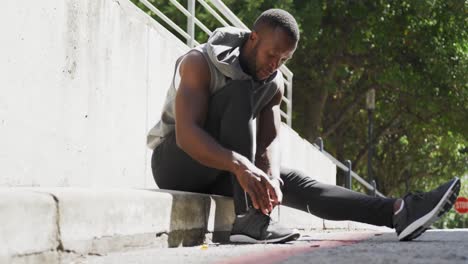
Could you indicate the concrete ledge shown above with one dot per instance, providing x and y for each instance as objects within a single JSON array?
[
  {"x": 104, "y": 220},
  {"x": 45, "y": 223},
  {"x": 28, "y": 223}
]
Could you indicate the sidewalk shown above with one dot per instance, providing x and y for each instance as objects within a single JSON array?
[
  {"x": 40, "y": 224},
  {"x": 433, "y": 247}
]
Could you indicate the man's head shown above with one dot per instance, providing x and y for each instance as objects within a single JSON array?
[{"x": 272, "y": 42}]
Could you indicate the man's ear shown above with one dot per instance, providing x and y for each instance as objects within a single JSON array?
[{"x": 253, "y": 36}]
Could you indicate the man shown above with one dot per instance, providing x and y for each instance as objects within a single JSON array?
[{"x": 205, "y": 142}]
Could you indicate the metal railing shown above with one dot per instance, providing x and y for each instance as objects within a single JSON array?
[
  {"x": 347, "y": 168},
  {"x": 232, "y": 20}
]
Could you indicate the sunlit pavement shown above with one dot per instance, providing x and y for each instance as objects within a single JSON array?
[{"x": 434, "y": 246}]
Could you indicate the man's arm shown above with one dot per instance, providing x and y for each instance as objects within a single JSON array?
[
  {"x": 191, "y": 106},
  {"x": 267, "y": 156}
]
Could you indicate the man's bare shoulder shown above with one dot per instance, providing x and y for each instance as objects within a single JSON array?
[{"x": 194, "y": 64}]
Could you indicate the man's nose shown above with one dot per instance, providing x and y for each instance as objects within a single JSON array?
[{"x": 274, "y": 65}]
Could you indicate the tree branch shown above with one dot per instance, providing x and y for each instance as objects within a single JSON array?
[
  {"x": 342, "y": 116},
  {"x": 393, "y": 122}
]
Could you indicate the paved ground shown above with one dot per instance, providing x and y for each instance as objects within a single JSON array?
[{"x": 435, "y": 246}]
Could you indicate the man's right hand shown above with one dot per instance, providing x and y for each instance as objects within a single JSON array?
[{"x": 255, "y": 182}]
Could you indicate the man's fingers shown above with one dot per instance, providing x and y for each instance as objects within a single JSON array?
[
  {"x": 264, "y": 197},
  {"x": 273, "y": 193},
  {"x": 259, "y": 195},
  {"x": 258, "y": 189},
  {"x": 257, "y": 178},
  {"x": 271, "y": 201},
  {"x": 279, "y": 194},
  {"x": 268, "y": 185},
  {"x": 253, "y": 197},
  {"x": 271, "y": 196},
  {"x": 256, "y": 195}
]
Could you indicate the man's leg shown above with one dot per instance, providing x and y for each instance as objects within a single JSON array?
[
  {"x": 229, "y": 121},
  {"x": 334, "y": 202},
  {"x": 410, "y": 215},
  {"x": 174, "y": 169}
]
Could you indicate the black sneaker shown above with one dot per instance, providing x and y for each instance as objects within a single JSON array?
[
  {"x": 255, "y": 227},
  {"x": 420, "y": 210}
]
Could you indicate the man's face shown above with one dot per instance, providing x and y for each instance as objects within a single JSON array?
[{"x": 271, "y": 49}]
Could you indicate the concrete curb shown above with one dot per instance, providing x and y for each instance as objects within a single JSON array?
[
  {"x": 38, "y": 222},
  {"x": 41, "y": 225},
  {"x": 28, "y": 224}
]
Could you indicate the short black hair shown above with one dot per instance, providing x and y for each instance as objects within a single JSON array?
[{"x": 278, "y": 18}]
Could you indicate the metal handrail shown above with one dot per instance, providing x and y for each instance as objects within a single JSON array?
[
  {"x": 347, "y": 168},
  {"x": 213, "y": 12},
  {"x": 188, "y": 14},
  {"x": 220, "y": 7},
  {"x": 165, "y": 18}
]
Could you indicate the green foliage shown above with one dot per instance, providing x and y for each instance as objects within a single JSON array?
[{"x": 414, "y": 53}]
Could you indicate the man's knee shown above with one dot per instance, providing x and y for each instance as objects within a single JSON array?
[
  {"x": 237, "y": 94},
  {"x": 296, "y": 178},
  {"x": 292, "y": 173}
]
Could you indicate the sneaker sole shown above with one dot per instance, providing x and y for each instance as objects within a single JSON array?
[
  {"x": 418, "y": 227},
  {"x": 246, "y": 239}
]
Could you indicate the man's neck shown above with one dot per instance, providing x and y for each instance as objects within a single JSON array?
[{"x": 243, "y": 58}]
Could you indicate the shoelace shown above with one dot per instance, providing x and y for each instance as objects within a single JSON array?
[{"x": 417, "y": 194}]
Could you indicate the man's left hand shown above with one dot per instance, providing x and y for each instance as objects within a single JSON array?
[{"x": 275, "y": 193}]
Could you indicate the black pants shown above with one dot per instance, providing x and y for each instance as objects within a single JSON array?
[{"x": 229, "y": 120}]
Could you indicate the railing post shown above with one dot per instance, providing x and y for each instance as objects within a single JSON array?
[
  {"x": 289, "y": 96},
  {"x": 374, "y": 188},
  {"x": 191, "y": 23},
  {"x": 319, "y": 142},
  {"x": 349, "y": 178}
]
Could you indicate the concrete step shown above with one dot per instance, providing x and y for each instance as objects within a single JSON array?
[{"x": 38, "y": 225}]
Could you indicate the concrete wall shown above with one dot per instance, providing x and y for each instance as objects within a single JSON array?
[
  {"x": 81, "y": 83},
  {"x": 299, "y": 154}
]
